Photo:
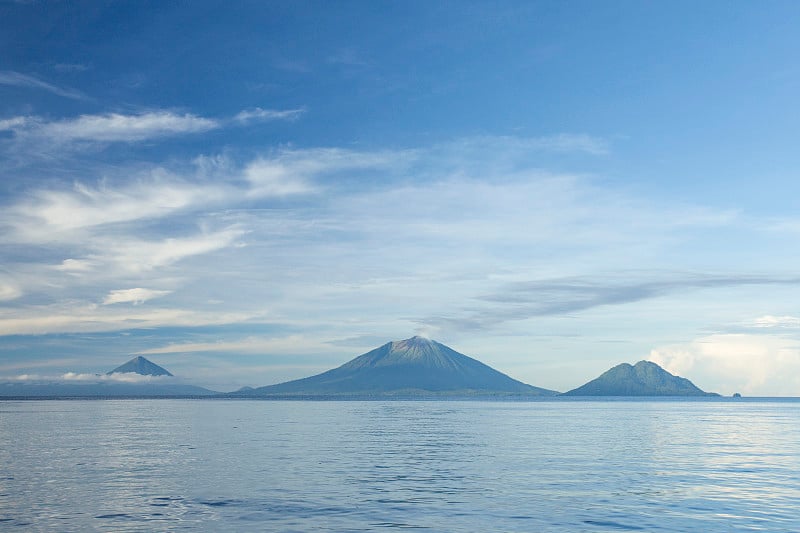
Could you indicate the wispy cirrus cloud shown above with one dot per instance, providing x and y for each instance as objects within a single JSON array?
[
  {"x": 112, "y": 127},
  {"x": 109, "y": 257},
  {"x": 45, "y": 214},
  {"x": 86, "y": 206},
  {"x": 48, "y": 214},
  {"x": 137, "y": 255},
  {"x": 553, "y": 297},
  {"x": 130, "y": 128},
  {"x": 106, "y": 260},
  {"x": 292, "y": 344},
  {"x": 135, "y": 296},
  {"x": 71, "y": 317},
  {"x": 115, "y": 127},
  {"x": 270, "y": 178},
  {"x": 259, "y": 114},
  {"x": 300, "y": 171},
  {"x": 395, "y": 223},
  {"x": 17, "y": 79},
  {"x": 776, "y": 322}
]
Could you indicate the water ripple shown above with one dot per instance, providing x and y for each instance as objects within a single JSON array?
[{"x": 443, "y": 466}]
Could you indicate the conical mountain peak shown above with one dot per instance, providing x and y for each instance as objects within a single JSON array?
[
  {"x": 142, "y": 366},
  {"x": 415, "y": 341},
  {"x": 417, "y": 347},
  {"x": 412, "y": 366}
]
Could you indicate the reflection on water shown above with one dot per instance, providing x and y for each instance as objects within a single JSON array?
[{"x": 206, "y": 465}]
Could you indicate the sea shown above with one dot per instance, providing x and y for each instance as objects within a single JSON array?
[{"x": 539, "y": 466}]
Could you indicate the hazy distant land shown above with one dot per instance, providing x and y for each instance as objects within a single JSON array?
[{"x": 415, "y": 367}]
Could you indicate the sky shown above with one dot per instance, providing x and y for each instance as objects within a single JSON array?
[{"x": 251, "y": 192}]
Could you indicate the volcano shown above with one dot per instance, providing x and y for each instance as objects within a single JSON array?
[
  {"x": 142, "y": 366},
  {"x": 138, "y": 378},
  {"x": 411, "y": 367},
  {"x": 645, "y": 378}
]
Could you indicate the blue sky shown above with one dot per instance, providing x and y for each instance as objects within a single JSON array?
[{"x": 256, "y": 192}]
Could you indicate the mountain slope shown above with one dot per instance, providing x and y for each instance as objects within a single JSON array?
[
  {"x": 645, "y": 378},
  {"x": 412, "y": 366},
  {"x": 140, "y": 365}
]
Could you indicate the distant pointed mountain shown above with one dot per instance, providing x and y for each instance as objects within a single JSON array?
[
  {"x": 140, "y": 365},
  {"x": 415, "y": 366},
  {"x": 645, "y": 378},
  {"x": 156, "y": 382}
]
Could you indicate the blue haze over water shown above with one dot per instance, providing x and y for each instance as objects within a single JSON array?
[{"x": 212, "y": 465}]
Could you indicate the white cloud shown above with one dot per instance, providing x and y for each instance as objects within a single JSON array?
[
  {"x": 270, "y": 179},
  {"x": 115, "y": 127},
  {"x": 112, "y": 127},
  {"x": 84, "y": 206},
  {"x": 76, "y": 266},
  {"x": 10, "y": 124},
  {"x": 135, "y": 296},
  {"x": 9, "y": 292},
  {"x": 45, "y": 215},
  {"x": 134, "y": 255},
  {"x": 293, "y": 344},
  {"x": 750, "y": 364},
  {"x": 17, "y": 79},
  {"x": 769, "y": 321},
  {"x": 301, "y": 171},
  {"x": 74, "y": 377},
  {"x": 112, "y": 258},
  {"x": 674, "y": 359},
  {"x": 259, "y": 114},
  {"x": 460, "y": 210},
  {"x": 429, "y": 230},
  {"x": 118, "y": 127},
  {"x": 117, "y": 377},
  {"x": 158, "y": 193},
  {"x": 25, "y": 377},
  {"x": 82, "y": 318}
]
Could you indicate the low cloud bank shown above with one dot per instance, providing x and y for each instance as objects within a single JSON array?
[
  {"x": 755, "y": 365},
  {"x": 74, "y": 377}
]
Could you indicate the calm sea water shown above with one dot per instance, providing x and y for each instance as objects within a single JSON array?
[{"x": 214, "y": 465}]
